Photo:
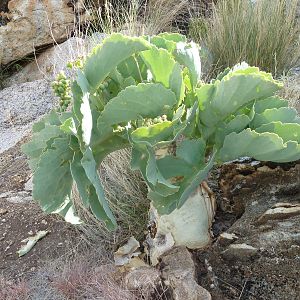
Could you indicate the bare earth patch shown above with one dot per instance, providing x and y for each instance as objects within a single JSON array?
[{"x": 20, "y": 219}]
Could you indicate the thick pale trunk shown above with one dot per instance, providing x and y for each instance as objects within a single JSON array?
[{"x": 188, "y": 226}]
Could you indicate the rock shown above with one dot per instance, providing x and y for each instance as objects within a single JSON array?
[
  {"x": 29, "y": 185},
  {"x": 32, "y": 24},
  {"x": 279, "y": 213},
  {"x": 53, "y": 60},
  {"x": 178, "y": 270},
  {"x": 124, "y": 254},
  {"x": 158, "y": 245},
  {"x": 267, "y": 254},
  {"x": 6, "y": 194},
  {"x": 226, "y": 239},
  {"x": 3, "y": 211},
  {"x": 19, "y": 198},
  {"x": 20, "y": 106},
  {"x": 240, "y": 252},
  {"x": 142, "y": 279}
]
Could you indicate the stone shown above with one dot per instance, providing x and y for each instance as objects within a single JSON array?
[
  {"x": 240, "y": 252},
  {"x": 279, "y": 213},
  {"x": 19, "y": 199},
  {"x": 29, "y": 185},
  {"x": 54, "y": 60},
  {"x": 3, "y": 211},
  {"x": 124, "y": 254},
  {"x": 20, "y": 106},
  {"x": 178, "y": 270},
  {"x": 226, "y": 239},
  {"x": 6, "y": 194},
  {"x": 32, "y": 24},
  {"x": 142, "y": 279}
]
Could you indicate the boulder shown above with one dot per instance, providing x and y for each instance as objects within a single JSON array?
[
  {"x": 32, "y": 24},
  {"x": 20, "y": 106},
  {"x": 54, "y": 60},
  {"x": 178, "y": 272}
]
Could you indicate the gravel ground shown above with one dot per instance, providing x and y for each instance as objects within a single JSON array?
[{"x": 20, "y": 106}]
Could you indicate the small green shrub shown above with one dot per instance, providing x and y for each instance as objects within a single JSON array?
[
  {"x": 146, "y": 94},
  {"x": 264, "y": 33}
]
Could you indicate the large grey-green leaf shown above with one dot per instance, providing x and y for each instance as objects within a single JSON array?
[
  {"x": 282, "y": 114},
  {"x": 41, "y": 140},
  {"x": 166, "y": 205},
  {"x": 268, "y": 103},
  {"x": 188, "y": 55},
  {"x": 144, "y": 100},
  {"x": 109, "y": 55},
  {"x": 144, "y": 160},
  {"x": 287, "y": 131},
  {"x": 192, "y": 151},
  {"x": 235, "y": 90},
  {"x": 82, "y": 182},
  {"x": 99, "y": 205},
  {"x": 153, "y": 134},
  {"x": 67, "y": 211},
  {"x": 164, "y": 69},
  {"x": 262, "y": 146},
  {"x": 52, "y": 180}
]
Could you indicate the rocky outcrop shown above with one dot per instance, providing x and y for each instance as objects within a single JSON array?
[
  {"x": 32, "y": 24},
  {"x": 54, "y": 60},
  {"x": 20, "y": 106},
  {"x": 258, "y": 257}
]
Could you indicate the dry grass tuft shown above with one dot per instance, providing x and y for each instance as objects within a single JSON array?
[
  {"x": 291, "y": 90},
  {"x": 81, "y": 280},
  {"x": 13, "y": 291},
  {"x": 126, "y": 193},
  {"x": 136, "y": 17},
  {"x": 263, "y": 33}
]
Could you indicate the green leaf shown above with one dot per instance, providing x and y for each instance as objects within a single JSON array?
[
  {"x": 237, "y": 124},
  {"x": 160, "y": 63},
  {"x": 98, "y": 204},
  {"x": 67, "y": 211},
  {"x": 165, "y": 205},
  {"x": 282, "y": 114},
  {"x": 153, "y": 134},
  {"x": 52, "y": 180},
  {"x": 107, "y": 56},
  {"x": 192, "y": 151},
  {"x": 188, "y": 55},
  {"x": 268, "y": 103},
  {"x": 144, "y": 160},
  {"x": 171, "y": 166},
  {"x": 160, "y": 42},
  {"x": 131, "y": 68},
  {"x": 144, "y": 100},
  {"x": 235, "y": 90},
  {"x": 40, "y": 141},
  {"x": 177, "y": 84},
  {"x": 82, "y": 182},
  {"x": 264, "y": 146},
  {"x": 68, "y": 126},
  {"x": 287, "y": 131},
  {"x": 174, "y": 37},
  {"x": 51, "y": 119}
]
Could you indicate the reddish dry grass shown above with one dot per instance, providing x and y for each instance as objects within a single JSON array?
[
  {"x": 79, "y": 280},
  {"x": 13, "y": 291}
]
